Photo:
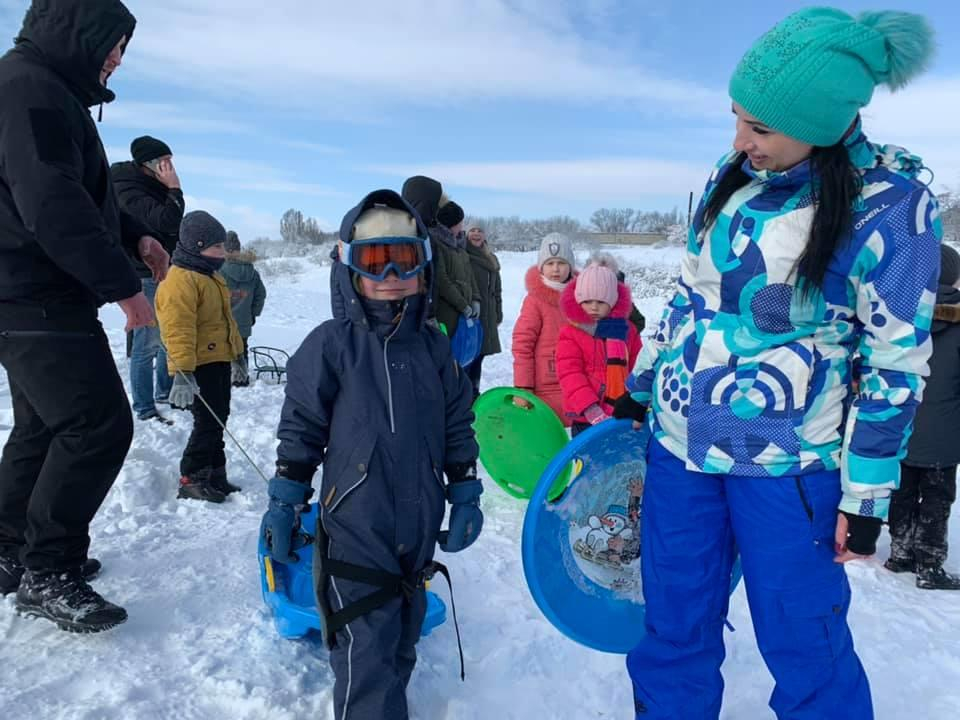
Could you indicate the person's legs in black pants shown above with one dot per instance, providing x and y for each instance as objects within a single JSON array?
[
  {"x": 904, "y": 504},
  {"x": 205, "y": 449},
  {"x": 73, "y": 428}
]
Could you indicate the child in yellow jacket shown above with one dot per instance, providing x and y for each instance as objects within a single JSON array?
[{"x": 203, "y": 345}]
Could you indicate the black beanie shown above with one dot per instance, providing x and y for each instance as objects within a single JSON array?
[
  {"x": 450, "y": 214},
  {"x": 949, "y": 265},
  {"x": 146, "y": 148},
  {"x": 424, "y": 194}
]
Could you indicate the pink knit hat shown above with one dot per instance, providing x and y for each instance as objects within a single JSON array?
[{"x": 597, "y": 282}]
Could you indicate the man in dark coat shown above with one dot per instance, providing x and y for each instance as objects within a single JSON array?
[
  {"x": 62, "y": 242},
  {"x": 920, "y": 508},
  {"x": 149, "y": 189}
]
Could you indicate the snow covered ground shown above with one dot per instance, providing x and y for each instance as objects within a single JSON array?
[{"x": 199, "y": 643}]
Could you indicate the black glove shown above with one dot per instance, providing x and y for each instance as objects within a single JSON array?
[
  {"x": 626, "y": 408},
  {"x": 862, "y": 533}
]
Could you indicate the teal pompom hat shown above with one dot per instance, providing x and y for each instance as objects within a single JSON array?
[{"x": 809, "y": 76}]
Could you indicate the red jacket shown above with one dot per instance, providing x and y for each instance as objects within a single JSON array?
[
  {"x": 584, "y": 365},
  {"x": 535, "y": 342}
]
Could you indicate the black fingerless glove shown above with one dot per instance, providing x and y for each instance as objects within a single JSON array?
[
  {"x": 862, "y": 533},
  {"x": 626, "y": 408}
]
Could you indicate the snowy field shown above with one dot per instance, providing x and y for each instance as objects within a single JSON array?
[{"x": 199, "y": 643}]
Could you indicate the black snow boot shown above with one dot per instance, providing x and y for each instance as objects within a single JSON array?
[
  {"x": 936, "y": 578},
  {"x": 11, "y": 571},
  {"x": 218, "y": 480},
  {"x": 197, "y": 486},
  {"x": 900, "y": 564},
  {"x": 65, "y": 598}
]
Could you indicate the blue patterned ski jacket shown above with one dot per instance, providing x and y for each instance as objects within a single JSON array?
[{"x": 747, "y": 376}]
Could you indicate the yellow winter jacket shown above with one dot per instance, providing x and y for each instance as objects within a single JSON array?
[{"x": 196, "y": 324}]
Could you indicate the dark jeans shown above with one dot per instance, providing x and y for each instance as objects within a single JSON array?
[
  {"x": 474, "y": 370},
  {"x": 205, "y": 446},
  {"x": 920, "y": 512},
  {"x": 72, "y": 429},
  {"x": 577, "y": 427}
]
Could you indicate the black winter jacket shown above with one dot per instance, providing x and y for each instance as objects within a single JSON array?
[
  {"x": 936, "y": 428},
  {"x": 151, "y": 202},
  {"x": 62, "y": 237}
]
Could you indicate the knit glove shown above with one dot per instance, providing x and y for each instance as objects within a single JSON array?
[
  {"x": 862, "y": 533},
  {"x": 469, "y": 312},
  {"x": 183, "y": 390},
  {"x": 626, "y": 407},
  {"x": 238, "y": 371},
  {"x": 280, "y": 526},
  {"x": 475, "y": 306},
  {"x": 594, "y": 414},
  {"x": 466, "y": 518}
]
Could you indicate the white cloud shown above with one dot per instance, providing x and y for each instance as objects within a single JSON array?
[
  {"x": 155, "y": 118},
  {"x": 374, "y": 54},
  {"x": 601, "y": 178}
]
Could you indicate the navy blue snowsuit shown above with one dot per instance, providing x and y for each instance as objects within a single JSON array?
[{"x": 385, "y": 408}]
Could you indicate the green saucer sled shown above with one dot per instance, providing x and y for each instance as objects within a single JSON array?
[{"x": 517, "y": 444}]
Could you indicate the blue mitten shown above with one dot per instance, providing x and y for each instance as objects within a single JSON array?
[
  {"x": 466, "y": 518},
  {"x": 280, "y": 527}
]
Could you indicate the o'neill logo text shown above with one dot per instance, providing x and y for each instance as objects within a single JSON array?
[{"x": 870, "y": 216}]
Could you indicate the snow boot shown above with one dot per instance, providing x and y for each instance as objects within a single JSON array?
[
  {"x": 11, "y": 570},
  {"x": 218, "y": 480},
  {"x": 155, "y": 415},
  {"x": 66, "y": 599},
  {"x": 936, "y": 578},
  {"x": 197, "y": 486},
  {"x": 900, "y": 564}
]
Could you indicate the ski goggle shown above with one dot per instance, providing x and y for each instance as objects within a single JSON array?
[{"x": 378, "y": 257}]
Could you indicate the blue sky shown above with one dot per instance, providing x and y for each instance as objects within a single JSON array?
[{"x": 520, "y": 107}]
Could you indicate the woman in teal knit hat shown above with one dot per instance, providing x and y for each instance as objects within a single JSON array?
[{"x": 811, "y": 246}]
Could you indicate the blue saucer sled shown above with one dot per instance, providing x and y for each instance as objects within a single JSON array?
[
  {"x": 581, "y": 548},
  {"x": 289, "y": 594}
]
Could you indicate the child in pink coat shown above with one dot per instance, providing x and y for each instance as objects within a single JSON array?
[
  {"x": 597, "y": 347},
  {"x": 535, "y": 333}
]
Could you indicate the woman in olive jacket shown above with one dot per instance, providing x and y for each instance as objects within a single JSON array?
[{"x": 486, "y": 271}]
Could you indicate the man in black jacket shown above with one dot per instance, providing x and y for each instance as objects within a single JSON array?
[
  {"x": 149, "y": 189},
  {"x": 62, "y": 255}
]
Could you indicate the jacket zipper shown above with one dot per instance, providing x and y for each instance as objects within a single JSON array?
[
  {"x": 343, "y": 497},
  {"x": 803, "y": 498},
  {"x": 386, "y": 368}
]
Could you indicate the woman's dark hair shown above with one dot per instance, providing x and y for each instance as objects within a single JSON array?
[{"x": 836, "y": 184}]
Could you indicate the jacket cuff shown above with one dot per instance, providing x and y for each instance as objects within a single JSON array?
[{"x": 875, "y": 507}]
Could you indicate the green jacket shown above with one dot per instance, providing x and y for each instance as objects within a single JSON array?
[
  {"x": 455, "y": 286},
  {"x": 486, "y": 274}
]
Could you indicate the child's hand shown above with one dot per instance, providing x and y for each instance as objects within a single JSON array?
[
  {"x": 522, "y": 403},
  {"x": 595, "y": 414}
]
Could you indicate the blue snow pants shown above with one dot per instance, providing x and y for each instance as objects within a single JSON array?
[{"x": 783, "y": 529}]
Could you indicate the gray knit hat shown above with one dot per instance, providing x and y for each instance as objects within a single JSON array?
[
  {"x": 200, "y": 230},
  {"x": 555, "y": 246},
  {"x": 232, "y": 243}
]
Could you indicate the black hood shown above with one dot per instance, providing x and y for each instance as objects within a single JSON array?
[
  {"x": 128, "y": 173},
  {"x": 947, "y": 311},
  {"x": 424, "y": 194},
  {"x": 74, "y": 37}
]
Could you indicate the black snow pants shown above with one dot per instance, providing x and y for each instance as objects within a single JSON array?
[
  {"x": 205, "y": 445},
  {"x": 72, "y": 430},
  {"x": 920, "y": 512}
]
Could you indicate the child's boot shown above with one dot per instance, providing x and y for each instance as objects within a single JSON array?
[
  {"x": 219, "y": 482},
  {"x": 197, "y": 486}
]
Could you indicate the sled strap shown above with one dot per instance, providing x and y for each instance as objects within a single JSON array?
[
  {"x": 438, "y": 567},
  {"x": 390, "y": 585}
]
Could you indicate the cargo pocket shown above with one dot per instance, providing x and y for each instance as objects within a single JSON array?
[
  {"x": 815, "y": 621},
  {"x": 344, "y": 473}
]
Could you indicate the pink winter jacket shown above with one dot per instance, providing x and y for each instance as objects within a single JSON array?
[
  {"x": 582, "y": 358},
  {"x": 535, "y": 342}
]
